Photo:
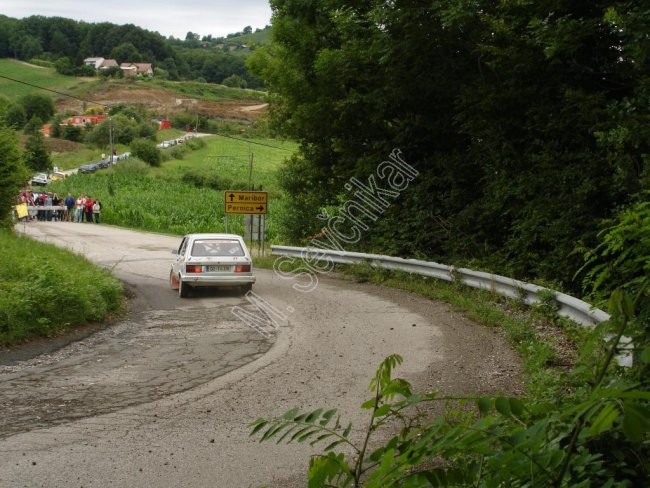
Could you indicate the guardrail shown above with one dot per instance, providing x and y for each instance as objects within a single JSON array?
[{"x": 568, "y": 306}]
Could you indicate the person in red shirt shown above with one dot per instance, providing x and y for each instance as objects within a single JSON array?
[{"x": 88, "y": 208}]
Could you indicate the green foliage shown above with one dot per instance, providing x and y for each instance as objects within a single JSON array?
[
  {"x": 620, "y": 267},
  {"x": 44, "y": 290},
  {"x": 37, "y": 155},
  {"x": 36, "y": 105},
  {"x": 72, "y": 133},
  {"x": 481, "y": 441},
  {"x": 147, "y": 151},
  {"x": 526, "y": 126},
  {"x": 15, "y": 116},
  {"x": 13, "y": 173},
  {"x": 34, "y": 125},
  {"x": 235, "y": 81},
  {"x": 125, "y": 129}
]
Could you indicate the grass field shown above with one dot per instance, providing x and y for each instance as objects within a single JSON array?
[
  {"x": 186, "y": 195},
  {"x": 33, "y": 75},
  {"x": 227, "y": 159}
]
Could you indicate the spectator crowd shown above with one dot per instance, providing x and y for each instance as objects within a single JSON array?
[{"x": 70, "y": 209}]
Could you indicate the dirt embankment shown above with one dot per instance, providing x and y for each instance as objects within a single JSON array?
[{"x": 166, "y": 103}]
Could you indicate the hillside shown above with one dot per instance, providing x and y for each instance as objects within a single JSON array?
[
  {"x": 210, "y": 59},
  {"x": 163, "y": 98},
  {"x": 30, "y": 74}
]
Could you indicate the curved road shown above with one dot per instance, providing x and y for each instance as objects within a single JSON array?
[{"x": 163, "y": 398}]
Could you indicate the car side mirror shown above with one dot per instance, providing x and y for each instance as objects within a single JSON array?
[{"x": 174, "y": 251}]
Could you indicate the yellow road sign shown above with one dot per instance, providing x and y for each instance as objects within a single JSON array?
[{"x": 246, "y": 202}]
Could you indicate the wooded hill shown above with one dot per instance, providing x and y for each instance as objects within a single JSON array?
[{"x": 64, "y": 43}]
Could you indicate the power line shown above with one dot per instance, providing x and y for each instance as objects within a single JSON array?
[{"x": 53, "y": 91}]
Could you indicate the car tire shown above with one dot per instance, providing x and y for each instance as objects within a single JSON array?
[
  {"x": 183, "y": 289},
  {"x": 246, "y": 288}
]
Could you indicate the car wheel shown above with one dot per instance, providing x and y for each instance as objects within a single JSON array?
[
  {"x": 173, "y": 281},
  {"x": 183, "y": 289},
  {"x": 247, "y": 287}
]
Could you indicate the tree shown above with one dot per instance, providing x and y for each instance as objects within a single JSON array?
[
  {"x": 15, "y": 116},
  {"x": 72, "y": 133},
  {"x": 527, "y": 123},
  {"x": 64, "y": 66},
  {"x": 13, "y": 173},
  {"x": 36, "y": 105},
  {"x": 124, "y": 131},
  {"x": 126, "y": 52},
  {"x": 147, "y": 151},
  {"x": 37, "y": 155},
  {"x": 27, "y": 47},
  {"x": 33, "y": 126},
  {"x": 235, "y": 81}
]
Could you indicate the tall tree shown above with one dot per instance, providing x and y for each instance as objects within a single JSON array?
[
  {"x": 515, "y": 114},
  {"x": 13, "y": 173},
  {"x": 37, "y": 155}
]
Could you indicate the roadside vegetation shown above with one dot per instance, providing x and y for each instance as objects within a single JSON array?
[
  {"x": 45, "y": 290},
  {"x": 531, "y": 152},
  {"x": 185, "y": 193},
  {"x": 583, "y": 420}
]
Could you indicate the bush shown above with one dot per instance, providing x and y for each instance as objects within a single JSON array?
[
  {"x": 194, "y": 143},
  {"x": 147, "y": 151},
  {"x": 44, "y": 290},
  {"x": 178, "y": 152}
]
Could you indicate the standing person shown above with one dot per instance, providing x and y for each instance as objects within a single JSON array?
[
  {"x": 56, "y": 201},
  {"x": 48, "y": 203},
  {"x": 69, "y": 207},
  {"x": 79, "y": 208},
  {"x": 88, "y": 208},
  {"x": 97, "y": 208}
]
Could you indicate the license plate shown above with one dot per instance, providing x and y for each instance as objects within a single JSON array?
[{"x": 218, "y": 268}]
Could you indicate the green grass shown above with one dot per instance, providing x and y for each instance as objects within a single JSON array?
[
  {"x": 44, "y": 290},
  {"x": 74, "y": 159},
  {"x": 33, "y": 75},
  {"x": 261, "y": 37},
  {"x": 227, "y": 159},
  {"x": 185, "y": 195},
  {"x": 167, "y": 134}
]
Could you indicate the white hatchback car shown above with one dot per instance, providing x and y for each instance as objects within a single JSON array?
[{"x": 211, "y": 260}]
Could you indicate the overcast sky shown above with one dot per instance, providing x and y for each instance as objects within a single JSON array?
[{"x": 168, "y": 17}]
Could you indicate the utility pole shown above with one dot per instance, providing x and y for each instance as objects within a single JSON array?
[{"x": 110, "y": 138}]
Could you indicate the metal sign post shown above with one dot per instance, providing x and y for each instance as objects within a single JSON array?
[{"x": 254, "y": 206}]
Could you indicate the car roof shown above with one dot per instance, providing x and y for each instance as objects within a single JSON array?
[{"x": 214, "y": 236}]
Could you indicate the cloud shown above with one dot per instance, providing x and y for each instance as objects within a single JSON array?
[{"x": 168, "y": 17}]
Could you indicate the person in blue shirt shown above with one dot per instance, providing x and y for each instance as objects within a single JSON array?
[{"x": 69, "y": 206}]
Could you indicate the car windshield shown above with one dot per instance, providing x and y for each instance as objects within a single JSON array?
[{"x": 217, "y": 247}]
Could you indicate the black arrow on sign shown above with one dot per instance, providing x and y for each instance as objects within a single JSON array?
[
  {"x": 232, "y": 196},
  {"x": 260, "y": 208}
]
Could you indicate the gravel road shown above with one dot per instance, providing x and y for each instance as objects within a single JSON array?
[{"x": 163, "y": 397}]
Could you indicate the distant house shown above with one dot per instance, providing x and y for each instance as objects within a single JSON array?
[
  {"x": 108, "y": 63},
  {"x": 134, "y": 69},
  {"x": 94, "y": 62},
  {"x": 83, "y": 120}
]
